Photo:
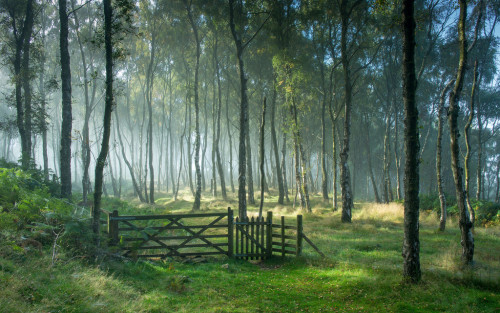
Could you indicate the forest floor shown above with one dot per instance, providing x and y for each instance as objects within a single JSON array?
[{"x": 362, "y": 272}]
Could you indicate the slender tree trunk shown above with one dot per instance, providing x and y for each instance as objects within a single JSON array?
[
  {"x": 304, "y": 171},
  {"x": 242, "y": 162},
  {"x": 66, "y": 103},
  {"x": 88, "y": 110},
  {"x": 370, "y": 167},
  {"x": 396, "y": 156},
  {"x": 411, "y": 242},
  {"x": 345, "y": 184},
  {"x": 230, "y": 142},
  {"x": 467, "y": 240},
  {"x": 479, "y": 170},
  {"x": 197, "y": 196},
  {"x": 386, "y": 188},
  {"x": 251, "y": 195},
  {"x": 101, "y": 159},
  {"x": 442, "y": 198},
  {"x": 43, "y": 100},
  {"x": 136, "y": 186},
  {"x": 324, "y": 175},
  {"x": 467, "y": 143},
  {"x": 283, "y": 166},
  {"x": 217, "y": 134},
  {"x": 497, "y": 175},
  {"x": 281, "y": 191},
  {"x": 261, "y": 158},
  {"x": 149, "y": 99}
]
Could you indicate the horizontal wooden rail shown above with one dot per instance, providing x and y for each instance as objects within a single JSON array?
[
  {"x": 159, "y": 255},
  {"x": 286, "y": 226},
  {"x": 165, "y": 217},
  {"x": 176, "y": 237},
  {"x": 285, "y": 236},
  {"x": 175, "y": 247},
  {"x": 171, "y": 227},
  {"x": 289, "y": 245}
]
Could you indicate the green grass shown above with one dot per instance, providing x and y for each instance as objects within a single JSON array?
[{"x": 362, "y": 272}]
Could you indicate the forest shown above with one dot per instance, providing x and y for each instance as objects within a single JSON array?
[{"x": 378, "y": 121}]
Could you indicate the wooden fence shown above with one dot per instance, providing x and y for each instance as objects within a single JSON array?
[{"x": 160, "y": 236}]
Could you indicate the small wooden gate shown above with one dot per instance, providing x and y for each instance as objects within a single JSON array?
[
  {"x": 161, "y": 236},
  {"x": 168, "y": 235}
]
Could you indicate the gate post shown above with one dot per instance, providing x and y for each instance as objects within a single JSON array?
[
  {"x": 230, "y": 232},
  {"x": 269, "y": 234},
  {"x": 298, "y": 249},
  {"x": 113, "y": 227}
]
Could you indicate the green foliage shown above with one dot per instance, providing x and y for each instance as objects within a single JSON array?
[
  {"x": 487, "y": 213},
  {"x": 32, "y": 218}
]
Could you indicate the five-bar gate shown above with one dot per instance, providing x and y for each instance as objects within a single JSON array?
[{"x": 181, "y": 235}]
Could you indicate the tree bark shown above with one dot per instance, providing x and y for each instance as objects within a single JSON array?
[
  {"x": 197, "y": 196},
  {"x": 281, "y": 192},
  {"x": 345, "y": 184},
  {"x": 411, "y": 242},
  {"x": 467, "y": 143},
  {"x": 217, "y": 134},
  {"x": 467, "y": 240},
  {"x": 101, "y": 159},
  {"x": 370, "y": 167},
  {"x": 66, "y": 103},
  {"x": 442, "y": 198},
  {"x": 324, "y": 175},
  {"x": 242, "y": 162},
  {"x": 261, "y": 157}
]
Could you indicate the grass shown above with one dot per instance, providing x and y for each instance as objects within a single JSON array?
[{"x": 362, "y": 272}]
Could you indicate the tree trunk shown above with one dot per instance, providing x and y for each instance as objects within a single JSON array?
[
  {"x": 230, "y": 137},
  {"x": 345, "y": 184},
  {"x": 324, "y": 175},
  {"x": 281, "y": 191},
  {"x": 217, "y": 134},
  {"x": 261, "y": 158},
  {"x": 149, "y": 99},
  {"x": 396, "y": 155},
  {"x": 497, "y": 194},
  {"x": 386, "y": 159},
  {"x": 479, "y": 170},
  {"x": 442, "y": 198},
  {"x": 88, "y": 110},
  {"x": 251, "y": 195},
  {"x": 242, "y": 162},
  {"x": 43, "y": 100},
  {"x": 66, "y": 103},
  {"x": 283, "y": 166},
  {"x": 467, "y": 143},
  {"x": 197, "y": 196},
  {"x": 370, "y": 167},
  {"x": 467, "y": 240},
  {"x": 101, "y": 159},
  {"x": 411, "y": 242}
]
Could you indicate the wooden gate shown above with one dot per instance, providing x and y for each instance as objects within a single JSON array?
[
  {"x": 252, "y": 238},
  {"x": 171, "y": 235},
  {"x": 181, "y": 235}
]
